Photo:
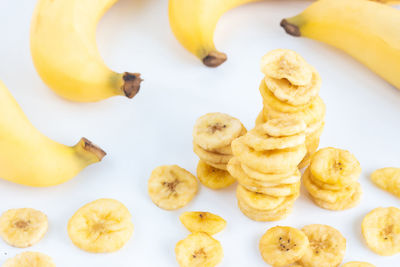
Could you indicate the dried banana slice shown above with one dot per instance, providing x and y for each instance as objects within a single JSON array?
[
  {"x": 23, "y": 228},
  {"x": 381, "y": 230},
  {"x": 221, "y": 166},
  {"x": 268, "y": 177},
  {"x": 294, "y": 94},
  {"x": 104, "y": 225},
  {"x": 282, "y": 245},
  {"x": 311, "y": 146},
  {"x": 277, "y": 214},
  {"x": 235, "y": 169},
  {"x": 270, "y": 100},
  {"x": 198, "y": 221},
  {"x": 257, "y": 201},
  {"x": 388, "y": 179},
  {"x": 327, "y": 246},
  {"x": 286, "y": 64},
  {"x": 344, "y": 204},
  {"x": 280, "y": 127},
  {"x": 210, "y": 156},
  {"x": 335, "y": 166},
  {"x": 260, "y": 118},
  {"x": 260, "y": 141},
  {"x": 30, "y": 259},
  {"x": 226, "y": 150},
  {"x": 278, "y": 190},
  {"x": 327, "y": 195},
  {"x": 216, "y": 130},
  {"x": 272, "y": 161},
  {"x": 171, "y": 187},
  {"x": 357, "y": 264},
  {"x": 212, "y": 177},
  {"x": 199, "y": 250}
]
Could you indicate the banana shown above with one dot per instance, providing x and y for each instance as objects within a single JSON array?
[
  {"x": 257, "y": 201},
  {"x": 30, "y": 259},
  {"x": 335, "y": 166},
  {"x": 213, "y": 178},
  {"x": 286, "y": 64},
  {"x": 216, "y": 130},
  {"x": 171, "y": 187},
  {"x": 28, "y": 157},
  {"x": 282, "y": 245},
  {"x": 272, "y": 161},
  {"x": 206, "y": 222},
  {"x": 281, "y": 127},
  {"x": 104, "y": 225},
  {"x": 210, "y": 156},
  {"x": 193, "y": 24},
  {"x": 357, "y": 264},
  {"x": 388, "y": 179},
  {"x": 347, "y": 203},
  {"x": 365, "y": 30},
  {"x": 381, "y": 230},
  {"x": 199, "y": 250},
  {"x": 260, "y": 141},
  {"x": 65, "y": 54},
  {"x": 327, "y": 246},
  {"x": 23, "y": 228}
]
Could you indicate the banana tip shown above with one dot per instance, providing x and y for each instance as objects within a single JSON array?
[
  {"x": 214, "y": 59},
  {"x": 90, "y": 147},
  {"x": 290, "y": 28},
  {"x": 131, "y": 84}
]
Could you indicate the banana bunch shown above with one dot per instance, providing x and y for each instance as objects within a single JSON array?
[
  {"x": 200, "y": 248},
  {"x": 365, "y": 30},
  {"x": 315, "y": 245},
  {"x": 290, "y": 90},
  {"x": 212, "y": 137},
  {"x": 331, "y": 179},
  {"x": 65, "y": 54},
  {"x": 265, "y": 165},
  {"x": 28, "y": 157}
]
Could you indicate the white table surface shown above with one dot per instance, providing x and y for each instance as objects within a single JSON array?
[{"x": 155, "y": 128}]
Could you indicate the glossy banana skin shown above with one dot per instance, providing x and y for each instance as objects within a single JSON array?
[
  {"x": 29, "y": 158},
  {"x": 65, "y": 54}
]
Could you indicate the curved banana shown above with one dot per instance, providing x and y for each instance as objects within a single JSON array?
[
  {"x": 193, "y": 23},
  {"x": 368, "y": 31},
  {"x": 28, "y": 157},
  {"x": 65, "y": 54}
]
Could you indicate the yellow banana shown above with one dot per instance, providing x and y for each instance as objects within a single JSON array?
[
  {"x": 28, "y": 157},
  {"x": 368, "y": 31},
  {"x": 193, "y": 23},
  {"x": 65, "y": 54}
]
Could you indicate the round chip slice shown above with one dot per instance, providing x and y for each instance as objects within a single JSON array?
[
  {"x": 327, "y": 246},
  {"x": 210, "y": 156},
  {"x": 30, "y": 259},
  {"x": 258, "y": 201},
  {"x": 346, "y": 203},
  {"x": 286, "y": 64},
  {"x": 357, "y": 264},
  {"x": 104, "y": 225},
  {"x": 272, "y": 161},
  {"x": 388, "y": 179},
  {"x": 216, "y": 130},
  {"x": 381, "y": 230},
  {"x": 280, "y": 127},
  {"x": 199, "y": 221},
  {"x": 212, "y": 177},
  {"x": 171, "y": 187},
  {"x": 335, "y": 166},
  {"x": 282, "y": 245},
  {"x": 23, "y": 228},
  {"x": 268, "y": 177},
  {"x": 199, "y": 250}
]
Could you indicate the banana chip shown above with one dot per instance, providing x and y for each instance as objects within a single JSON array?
[
  {"x": 23, "y": 227},
  {"x": 388, "y": 179},
  {"x": 30, "y": 259},
  {"x": 104, "y": 225},
  {"x": 171, "y": 187},
  {"x": 381, "y": 230},
  {"x": 358, "y": 264},
  {"x": 281, "y": 245},
  {"x": 211, "y": 156},
  {"x": 198, "y": 221},
  {"x": 212, "y": 177},
  {"x": 199, "y": 250},
  {"x": 327, "y": 246}
]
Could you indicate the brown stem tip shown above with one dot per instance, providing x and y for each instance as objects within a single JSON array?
[
  {"x": 131, "y": 84},
  {"x": 89, "y": 146},
  {"x": 290, "y": 28},
  {"x": 214, "y": 59}
]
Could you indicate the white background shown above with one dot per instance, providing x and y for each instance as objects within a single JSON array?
[{"x": 155, "y": 128}]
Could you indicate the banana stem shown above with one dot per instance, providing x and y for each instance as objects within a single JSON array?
[
  {"x": 214, "y": 59},
  {"x": 90, "y": 150},
  {"x": 290, "y": 28},
  {"x": 131, "y": 84}
]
